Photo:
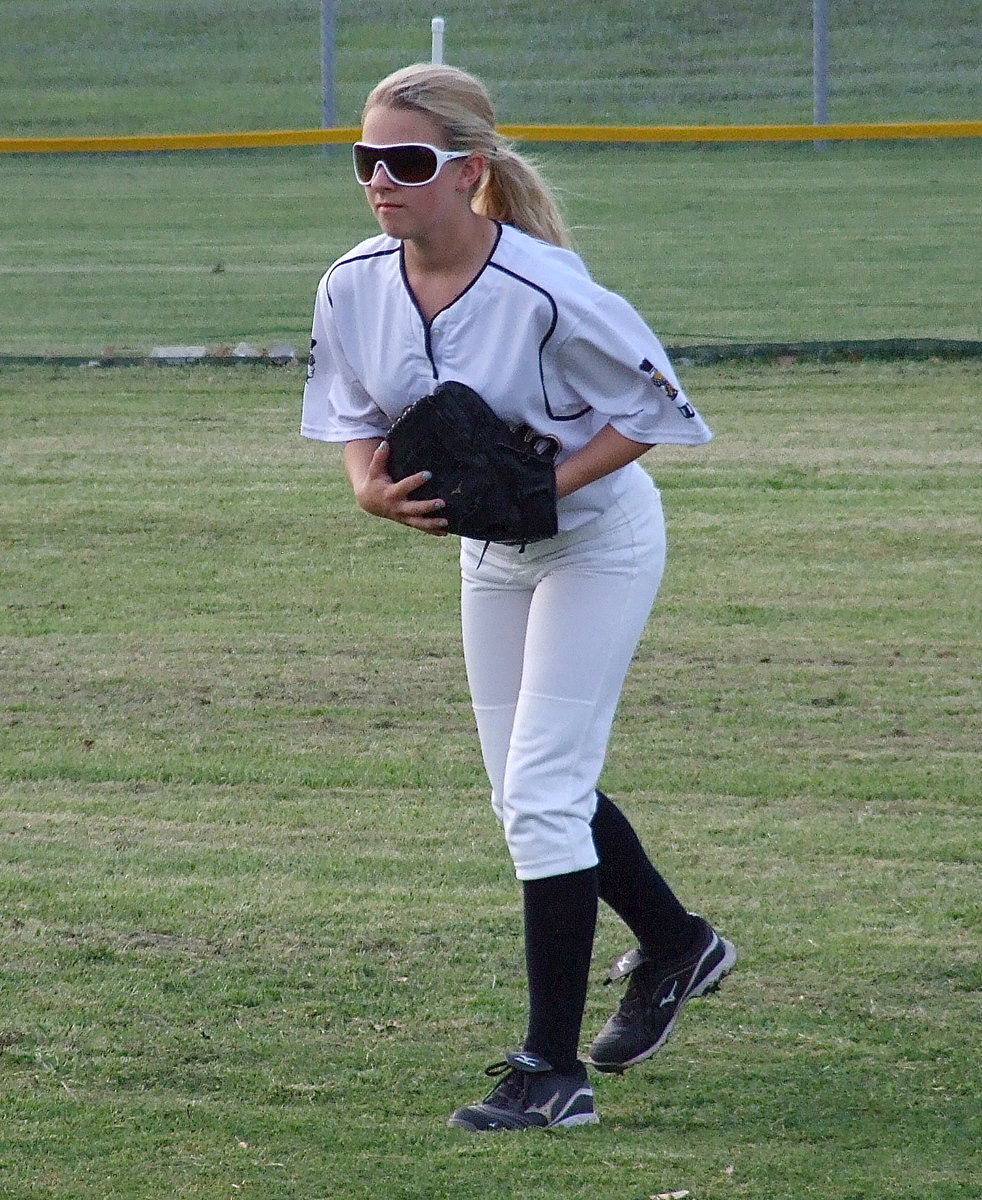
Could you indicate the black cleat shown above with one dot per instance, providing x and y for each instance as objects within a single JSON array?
[
  {"x": 654, "y": 999},
  {"x": 530, "y": 1096}
]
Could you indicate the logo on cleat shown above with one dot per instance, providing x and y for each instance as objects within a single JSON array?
[
  {"x": 671, "y": 997},
  {"x": 546, "y": 1110}
]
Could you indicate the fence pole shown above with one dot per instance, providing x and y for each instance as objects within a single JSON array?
[
  {"x": 820, "y": 65},
  {"x": 329, "y": 112},
  {"x": 437, "y": 26}
]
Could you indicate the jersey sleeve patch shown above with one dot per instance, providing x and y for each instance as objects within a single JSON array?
[
  {"x": 665, "y": 385},
  {"x": 658, "y": 379}
]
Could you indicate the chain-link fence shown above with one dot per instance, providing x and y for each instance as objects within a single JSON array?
[{"x": 159, "y": 66}]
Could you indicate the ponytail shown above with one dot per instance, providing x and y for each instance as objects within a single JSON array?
[{"x": 512, "y": 190}]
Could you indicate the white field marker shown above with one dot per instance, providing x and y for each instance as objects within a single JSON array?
[{"x": 437, "y": 26}]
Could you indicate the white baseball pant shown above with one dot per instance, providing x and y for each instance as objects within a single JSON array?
[{"x": 549, "y": 633}]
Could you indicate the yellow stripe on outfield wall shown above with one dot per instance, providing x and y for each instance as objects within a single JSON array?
[
  {"x": 740, "y": 133},
  {"x": 529, "y": 133},
  {"x": 178, "y": 141}
]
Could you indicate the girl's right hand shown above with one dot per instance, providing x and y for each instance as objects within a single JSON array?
[{"x": 379, "y": 495}]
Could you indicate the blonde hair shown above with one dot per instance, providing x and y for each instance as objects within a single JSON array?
[{"x": 512, "y": 190}]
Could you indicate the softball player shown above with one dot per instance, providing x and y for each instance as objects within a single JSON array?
[{"x": 472, "y": 279}]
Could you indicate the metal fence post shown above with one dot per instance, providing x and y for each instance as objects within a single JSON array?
[
  {"x": 820, "y": 65},
  {"x": 329, "y": 112},
  {"x": 437, "y": 27}
]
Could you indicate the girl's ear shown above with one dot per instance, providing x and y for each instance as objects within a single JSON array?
[{"x": 472, "y": 172}]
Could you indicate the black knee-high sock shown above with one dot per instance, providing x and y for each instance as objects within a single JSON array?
[
  {"x": 634, "y": 889},
  {"x": 560, "y": 921}
]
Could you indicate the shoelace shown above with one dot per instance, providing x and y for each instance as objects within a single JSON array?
[
  {"x": 640, "y": 992},
  {"x": 636, "y": 999},
  {"x": 509, "y": 1078}
]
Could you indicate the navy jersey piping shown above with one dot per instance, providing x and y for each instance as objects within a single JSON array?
[
  {"x": 542, "y": 345},
  {"x": 356, "y": 258},
  {"x": 427, "y": 325}
]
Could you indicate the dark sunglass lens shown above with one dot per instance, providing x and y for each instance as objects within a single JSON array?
[
  {"x": 410, "y": 164},
  {"x": 366, "y": 160}
]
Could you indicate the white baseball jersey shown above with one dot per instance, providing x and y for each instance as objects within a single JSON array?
[{"x": 533, "y": 334}]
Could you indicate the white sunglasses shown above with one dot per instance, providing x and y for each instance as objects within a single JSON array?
[{"x": 410, "y": 164}]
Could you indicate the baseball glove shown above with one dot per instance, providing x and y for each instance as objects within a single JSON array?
[{"x": 498, "y": 483}]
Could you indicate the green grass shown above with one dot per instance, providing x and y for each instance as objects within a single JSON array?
[
  {"x": 259, "y": 932},
  {"x": 746, "y": 243},
  {"x": 138, "y": 66},
  {"x": 743, "y": 243}
]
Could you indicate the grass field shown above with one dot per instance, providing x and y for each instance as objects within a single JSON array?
[
  {"x": 139, "y": 66},
  {"x": 259, "y": 932},
  {"x": 746, "y": 243}
]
